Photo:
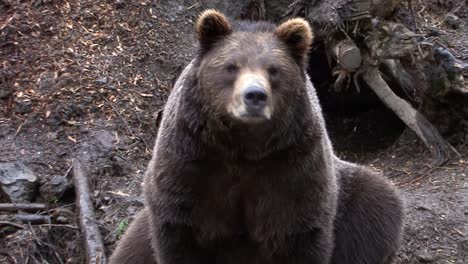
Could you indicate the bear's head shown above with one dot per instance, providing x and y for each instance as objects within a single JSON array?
[{"x": 251, "y": 72}]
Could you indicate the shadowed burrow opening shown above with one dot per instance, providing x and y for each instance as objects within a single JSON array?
[{"x": 357, "y": 120}]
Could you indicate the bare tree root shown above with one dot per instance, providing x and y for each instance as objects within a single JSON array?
[{"x": 439, "y": 148}]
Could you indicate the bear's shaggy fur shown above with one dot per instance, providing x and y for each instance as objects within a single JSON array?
[{"x": 228, "y": 184}]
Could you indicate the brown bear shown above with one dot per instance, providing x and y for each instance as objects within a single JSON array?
[{"x": 243, "y": 170}]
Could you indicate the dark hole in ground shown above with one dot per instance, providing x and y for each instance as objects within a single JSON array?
[{"x": 356, "y": 121}]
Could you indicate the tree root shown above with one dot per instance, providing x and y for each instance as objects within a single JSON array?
[{"x": 439, "y": 148}]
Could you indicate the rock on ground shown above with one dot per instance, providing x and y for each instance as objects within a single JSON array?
[{"x": 18, "y": 182}]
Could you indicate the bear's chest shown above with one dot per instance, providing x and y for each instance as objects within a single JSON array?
[
  {"x": 252, "y": 201},
  {"x": 221, "y": 204}
]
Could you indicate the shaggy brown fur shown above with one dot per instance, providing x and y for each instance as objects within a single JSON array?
[{"x": 220, "y": 189}]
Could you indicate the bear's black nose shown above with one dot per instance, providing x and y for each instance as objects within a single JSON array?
[{"x": 255, "y": 97}]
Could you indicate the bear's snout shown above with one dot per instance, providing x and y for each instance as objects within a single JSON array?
[
  {"x": 251, "y": 101},
  {"x": 255, "y": 98}
]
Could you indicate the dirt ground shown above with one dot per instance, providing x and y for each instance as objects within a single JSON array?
[{"x": 94, "y": 75}]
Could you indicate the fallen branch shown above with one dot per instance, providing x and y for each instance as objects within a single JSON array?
[
  {"x": 439, "y": 148},
  {"x": 92, "y": 237},
  {"x": 32, "y": 218},
  {"x": 22, "y": 207}
]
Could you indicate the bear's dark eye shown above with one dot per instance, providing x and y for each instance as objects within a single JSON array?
[
  {"x": 232, "y": 68},
  {"x": 273, "y": 71}
]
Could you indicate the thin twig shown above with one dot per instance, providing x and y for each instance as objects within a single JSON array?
[
  {"x": 192, "y": 6},
  {"x": 410, "y": 5},
  {"x": 19, "y": 128},
  {"x": 448, "y": 14},
  {"x": 36, "y": 239},
  {"x": 42, "y": 243},
  {"x": 7, "y": 21},
  {"x": 9, "y": 256},
  {"x": 41, "y": 163},
  {"x": 125, "y": 122},
  {"x": 419, "y": 177},
  {"x": 12, "y": 224},
  {"x": 59, "y": 225},
  {"x": 60, "y": 207},
  {"x": 120, "y": 116},
  {"x": 68, "y": 171},
  {"x": 141, "y": 124}
]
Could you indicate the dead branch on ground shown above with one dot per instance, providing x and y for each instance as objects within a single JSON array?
[
  {"x": 32, "y": 218},
  {"x": 9, "y": 207},
  {"x": 95, "y": 252}
]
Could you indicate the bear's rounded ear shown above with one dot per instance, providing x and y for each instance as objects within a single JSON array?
[
  {"x": 210, "y": 27},
  {"x": 298, "y": 36}
]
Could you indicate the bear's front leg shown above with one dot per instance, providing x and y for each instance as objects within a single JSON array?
[
  {"x": 172, "y": 197},
  {"x": 313, "y": 247},
  {"x": 135, "y": 246},
  {"x": 175, "y": 244}
]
